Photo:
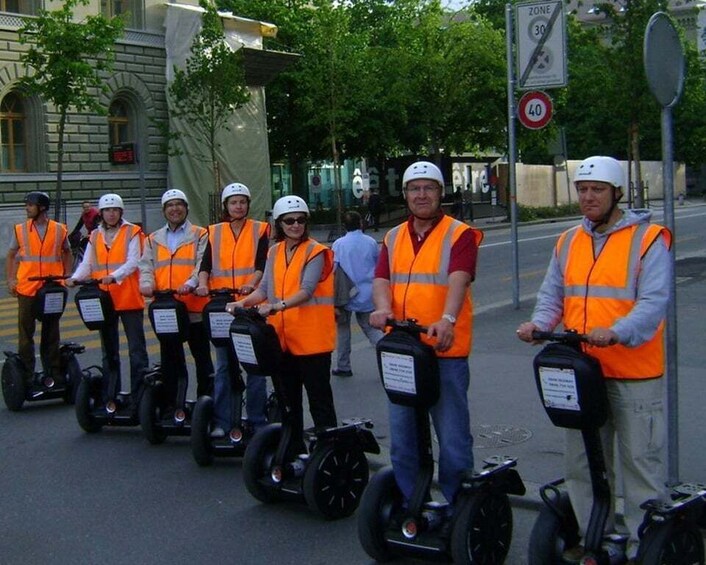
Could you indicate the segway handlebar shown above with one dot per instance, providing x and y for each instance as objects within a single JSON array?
[
  {"x": 569, "y": 337},
  {"x": 409, "y": 325},
  {"x": 48, "y": 278},
  {"x": 226, "y": 291}
]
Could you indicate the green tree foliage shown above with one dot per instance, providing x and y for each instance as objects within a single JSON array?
[
  {"x": 210, "y": 88},
  {"x": 66, "y": 62}
]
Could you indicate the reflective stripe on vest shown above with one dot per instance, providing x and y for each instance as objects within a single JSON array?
[
  {"x": 309, "y": 328},
  {"x": 171, "y": 270},
  {"x": 233, "y": 261},
  {"x": 38, "y": 257},
  {"x": 419, "y": 283},
  {"x": 126, "y": 295},
  {"x": 599, "y": 290}
]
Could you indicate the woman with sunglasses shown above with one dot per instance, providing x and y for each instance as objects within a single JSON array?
[{"x": 296, "y": 291}]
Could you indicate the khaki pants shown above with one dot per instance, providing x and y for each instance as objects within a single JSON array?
[
  {"x": 636, "y": 424},
  {"x": 49, "y": 344}
]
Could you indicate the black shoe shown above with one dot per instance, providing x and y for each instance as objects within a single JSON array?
[{"x": 337, "y": 373}]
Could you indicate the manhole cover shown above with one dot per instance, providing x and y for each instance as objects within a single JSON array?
[{"x": 498, "y": 435}]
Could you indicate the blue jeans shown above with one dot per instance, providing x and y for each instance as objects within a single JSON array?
[
  {"x": 343, "y": 343},
  {"x": 255, "y": 394},
  {"x": 453, "y": 430}
]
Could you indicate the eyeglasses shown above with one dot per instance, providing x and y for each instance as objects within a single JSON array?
[
  {"x": 424, "y": 188},
  {"x": 292, "y": 221}
]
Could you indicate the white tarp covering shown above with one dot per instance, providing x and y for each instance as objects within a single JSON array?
[{"x": 244, "y": 153}]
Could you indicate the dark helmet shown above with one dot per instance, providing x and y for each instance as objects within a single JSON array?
[{"x": 38, "y": 198}]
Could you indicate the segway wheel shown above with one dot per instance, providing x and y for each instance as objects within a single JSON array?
[
  {"x": 482, "y": 529},
  {"x": 548, "y": 539},
  {"x": 73, "y": 376},
  {"x": 13, "y": 384},
  {"x": 88, "y": 392},
  {"x": 201, "y": 447},
  {"x": 377, "y": 506},
  {"x": 150, "y": 412},
  {"x": 335, "y": 479},
  {"x": 672, "y": 543},
  {"x": 257, "y": 461}
]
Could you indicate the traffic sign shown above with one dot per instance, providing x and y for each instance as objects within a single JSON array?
[
  {"x": 541, "y": 44},
  {"x": 535, "y": 109}
]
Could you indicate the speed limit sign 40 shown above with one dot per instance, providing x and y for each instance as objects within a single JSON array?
[{"x": 535, "y": 109}]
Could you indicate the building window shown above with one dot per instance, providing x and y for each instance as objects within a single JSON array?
[
  {"x": 13, "y": 137},
  {"x": 130, "y": 10},
  {"x": 28, "y": 7},
  {"x": 119, "y": 122}
]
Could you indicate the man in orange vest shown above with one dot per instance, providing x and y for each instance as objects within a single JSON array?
[
  {"x": 425, "y": 271},
  {"x": 113, "y": 250},
  {"x": 609, "y": 278},
  {"x": 171, "y": 260},
  {"x": 235, "y": 258},
  {"x": 39, "y": 247}
]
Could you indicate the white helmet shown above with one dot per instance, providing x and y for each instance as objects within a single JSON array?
[
  {"x": 601, "y": 169},
  {"x": 110, "y": 201},
  {"x": 422, "y": 170},
  {"x": 288, "y": 204},
  {"x": 234, "y": 189},
  {"x": 174, "y": 194}
]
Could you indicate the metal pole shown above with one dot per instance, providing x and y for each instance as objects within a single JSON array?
[
  {"x": 672, "y": 371},
  {"x": 511, "y": 153},
  {"x": 143, "y": 189}
]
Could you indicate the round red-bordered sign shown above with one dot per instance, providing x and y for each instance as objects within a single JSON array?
[{"x": 535, "y": 109}]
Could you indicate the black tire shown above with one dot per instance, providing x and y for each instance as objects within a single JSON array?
[
  {"x": 256, "y": 463},
  {"x": 201, "y": 418},
  {"x": 548, "y": 538},
  {"x": 13, "y": 384},
  {"x": 86, "y": 403},
  {"x": 482, "y": 529},
  {"x": 674, "y": 542},
  {"x": 334, "y": 480},
  {"x": 378, "y": 504},
  {"x": 150, "y": 412},
  {"x": 74, "y": 377}
]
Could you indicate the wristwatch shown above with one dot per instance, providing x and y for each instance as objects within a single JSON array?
[{"x": 449, "y": 318}]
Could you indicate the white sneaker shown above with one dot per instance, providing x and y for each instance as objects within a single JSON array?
[{"x": 218, "y": 433}]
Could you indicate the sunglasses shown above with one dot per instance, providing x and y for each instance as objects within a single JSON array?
[{"x": 292, "y": 221}]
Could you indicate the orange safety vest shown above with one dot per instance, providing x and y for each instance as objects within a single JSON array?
[
  {"x": 173, "y": 270},
  {"x": 600, "y": 290},
  {"x": 126, "y": 295},
  {"x": 233, "y": 258},
  {"x": 38, "y": 257},
  {"x": 419, "y": 283},
  {"x": 309, "y": 328}
]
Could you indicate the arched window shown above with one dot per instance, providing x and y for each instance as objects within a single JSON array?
[
  {"x": 13, "y": 136},
  {"x": 119, "y": 122}
]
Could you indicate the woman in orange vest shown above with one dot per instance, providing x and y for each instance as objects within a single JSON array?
[
  {"x": 297, "y": 292},
  {"x": 235, "y": 258},
  {"x": 111, "y": 257}
]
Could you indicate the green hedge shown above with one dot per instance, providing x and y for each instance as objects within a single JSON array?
[{"x": 529, "y": 213}]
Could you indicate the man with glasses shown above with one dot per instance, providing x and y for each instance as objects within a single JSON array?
[{"x": 425, "y": 270}]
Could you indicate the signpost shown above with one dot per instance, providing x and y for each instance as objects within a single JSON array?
[
  {"x": 535, "y": 109},
  {"x": 541, "y": 45}
]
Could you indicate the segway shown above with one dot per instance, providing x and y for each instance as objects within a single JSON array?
[
  {"x": 572, "y": 389},
  {"x": 97, "y": 403},
  {"x": 332, "y": 472},
  {"x": 50, "y": 302},
  {"x": 478, "y": 529},
  {"x": 204, "y": 447},
  {"x": 164, "y": 409}
]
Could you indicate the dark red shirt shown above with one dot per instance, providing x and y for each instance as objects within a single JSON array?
[{"x": 464, "y": 253}]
